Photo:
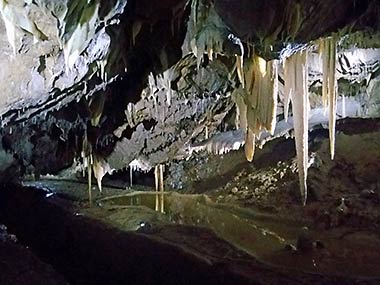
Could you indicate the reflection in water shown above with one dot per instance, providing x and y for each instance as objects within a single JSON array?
[
  {"x": 246, "y": 232},
  {"x": 262, "y": 236},
  {"x": 159, "y": 183}
]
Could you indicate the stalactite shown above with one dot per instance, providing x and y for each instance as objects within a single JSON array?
[
  {"x": 332, "y": 96},
  {"x": 297, "y": 64},
  {"x": 343, "y": 106},
  {"x": 156, "y": 183},
  {"x": 263, "y": 92},
  {"x": 162, "y": 188},
  {"x": 249, "y": 146},
  {"x": 89, "y": 175},
  {"x": 205, "y": 32},
  {"x": 324, "y": 55},
  {"x": 261, "y": 86},
  {"x": 100, "y": 168},
  {"x": 238, "y": 96},
  {"x": 327, "y": 50},
  {"x": 130, "y": 176},
  {"x": 288, "y": 89},
  {"x": 210, "y": 54},
  {"x": 136, "y": 28},
  {"x": 96, "y": 107},
  {"x": 159, "y": 186},
  {"x": 86, "y": 155},
  {"x": 271, "y": 103},
  {"x": 239, "y": 69}
]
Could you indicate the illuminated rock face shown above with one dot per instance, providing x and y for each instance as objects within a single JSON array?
[{"x": 147, "y": 82}]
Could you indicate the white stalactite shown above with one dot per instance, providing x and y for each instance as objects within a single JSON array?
[
  {"x": 162, "y": 208},
  {"x": 297, "y": 64},
  {"x": 327, "y": 50},
  {"x": 261, "y": 86},
  {"x": 100, "y": 168},
  {"x": 156, "y": 183},
  {"x": 239, "y": 69},
  {"x": 249, "y": 146},
  {"x": 288, "y": 85}
]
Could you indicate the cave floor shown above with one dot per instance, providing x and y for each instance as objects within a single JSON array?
[
  {"x": 301, "y": 240},
  {"x": 244, "y": 227}
]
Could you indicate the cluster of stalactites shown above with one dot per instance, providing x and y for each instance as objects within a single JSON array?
[
  {"x": 93, "y": 163},
  {"x": 206, "y": 31},
  {"x": 327, "y": 53},
  {"x": 257, "y": 101},
  {"x": 296, "y": 90}
]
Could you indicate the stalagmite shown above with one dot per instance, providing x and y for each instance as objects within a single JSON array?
[
  {"x": 297, "y": 64},
  {"x": 327, "y": 51}
]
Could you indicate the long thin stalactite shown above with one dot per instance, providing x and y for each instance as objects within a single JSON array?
[
  {"x": 297, "y": 85},
  {"x": 327, "y": 52}
]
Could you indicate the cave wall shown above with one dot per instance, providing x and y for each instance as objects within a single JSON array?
[{"x": 146, "y": 81}]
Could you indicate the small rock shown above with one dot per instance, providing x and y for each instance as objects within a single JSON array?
[{"x": 234, "y": 190}]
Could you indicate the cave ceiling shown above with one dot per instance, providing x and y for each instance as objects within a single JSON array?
[{"x": 140, "y": 83}]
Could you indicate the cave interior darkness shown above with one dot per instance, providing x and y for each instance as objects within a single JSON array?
[{"x": 189, "y": 141}]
